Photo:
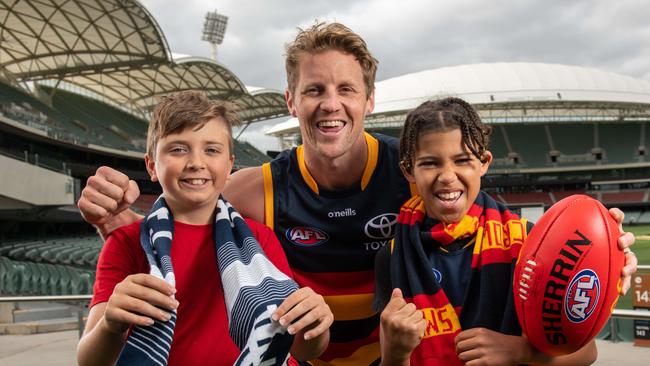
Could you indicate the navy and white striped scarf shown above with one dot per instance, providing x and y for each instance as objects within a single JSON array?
[{"x": 253, "y": 288}]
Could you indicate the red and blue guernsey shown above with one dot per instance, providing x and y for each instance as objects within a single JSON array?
[
  {"x": 469, "y": 286},
  {"x": 331, "y": 239}
]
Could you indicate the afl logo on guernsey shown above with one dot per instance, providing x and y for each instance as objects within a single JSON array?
[
  {"x": 306, "y": 236},
  {"x": 382, "y": 226},
  {"x": 438, "y": 275},
  {"x": 582, "y": 296}
]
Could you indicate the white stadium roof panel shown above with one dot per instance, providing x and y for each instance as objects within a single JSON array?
[
  {"x": 499, "y": 83},
  {"x": 506, "y": 82}
]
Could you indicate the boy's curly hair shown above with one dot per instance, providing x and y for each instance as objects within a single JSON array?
[{"x": 443, "y": 115}]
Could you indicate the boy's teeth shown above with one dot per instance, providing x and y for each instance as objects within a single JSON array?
[
  {"x": 196, "y": 181},
  {"x": 448, "y": 196},
  {"x": 330, "y": 123}
]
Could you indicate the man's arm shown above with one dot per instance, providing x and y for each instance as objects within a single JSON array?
[
  {"x": 105, "y": 200},
  {"x": 245, "y": 191}
]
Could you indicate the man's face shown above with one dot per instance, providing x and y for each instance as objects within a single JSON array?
[{"x": 330, "y": 102}]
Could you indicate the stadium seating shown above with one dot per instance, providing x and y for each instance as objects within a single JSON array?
[
  {"x": 143, "y": 203},
  {"x": 498, "y": 147},
  {"x": 60, "y": 250},
  {"x": 114, "y": 128},
  {"x": 620, "y": 141},
  {"x": 527, "y": 198},
  {"x": 33, "y": 267},
  {"x": 246, "y": 155},
  {"x": 530, "y": 142},
  {"x": 637, "y": 196},
  {"x": 25, "y": 108},
  {"x": 29, "y": 278},
  {"x": 572, "y": 138}
]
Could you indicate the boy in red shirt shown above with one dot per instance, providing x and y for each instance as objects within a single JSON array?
[{"x": 189, "y": 151}]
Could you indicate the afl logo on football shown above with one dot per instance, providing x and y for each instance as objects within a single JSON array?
[
  {"x": 306, "y": 236},
  {"x": 382, "y": 226},
  {"x": 582, "y": 296}
]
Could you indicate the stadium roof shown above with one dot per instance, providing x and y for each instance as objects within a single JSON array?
[
  {"x": 53, "y": 38},
  {"x": 140, "y": 88},
  {"x": 498, "y": 84},
  {"x": 510, "y": 82},
  {"x": 115, "y": 49}
]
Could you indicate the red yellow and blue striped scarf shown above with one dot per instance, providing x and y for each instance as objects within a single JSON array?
[{"x": 488, "y": 302}]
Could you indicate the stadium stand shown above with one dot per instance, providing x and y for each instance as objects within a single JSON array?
[
  {"x": 611, "y": 136},
  {"x": 529, "y": 142},
  {"x": 527, "y": 198},
  {"x": 116, "y": 129},
  {"x": 58, "y": 266},
  {"x": 625, "y": 197}
]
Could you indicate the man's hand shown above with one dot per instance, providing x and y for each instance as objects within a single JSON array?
[
  {"x": 625, "y": 241},
  {"x": 401, "y": 330},
  {"x": 107, "y": 195},
  {"x": 136, "y": 299},
  {"x": 481, "y": 346}
]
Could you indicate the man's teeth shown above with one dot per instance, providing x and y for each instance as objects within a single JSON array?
[
  {"x": 331, "y": 123},
  {"x": 449, "y": 196},
  {"x": 196, "y": 182}
]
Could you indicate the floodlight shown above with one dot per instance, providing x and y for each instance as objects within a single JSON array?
[{"x": 214, "y": 29}]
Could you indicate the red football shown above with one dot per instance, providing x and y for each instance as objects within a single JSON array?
[{"x": 566, "y": 280}]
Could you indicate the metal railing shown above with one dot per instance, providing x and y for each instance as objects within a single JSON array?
[{"x": 80, "y": 300}]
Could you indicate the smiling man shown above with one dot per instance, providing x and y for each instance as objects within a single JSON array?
[{"x": 332, "y": 201}]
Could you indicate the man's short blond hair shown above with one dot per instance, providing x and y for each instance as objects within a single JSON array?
[
  {"x": 329, "y": 36},
  {"x": 188, "y": 109}
]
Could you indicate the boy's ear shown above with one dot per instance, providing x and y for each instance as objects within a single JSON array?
[
  {"x": 231, "y": 161},
  {"x": 488, "y": 161},
  {"x": 409, "y": 177},
  {"x": 151, "y": 167}
]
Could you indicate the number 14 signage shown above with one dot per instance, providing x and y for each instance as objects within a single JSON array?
[{"x": 641, "y": 300}]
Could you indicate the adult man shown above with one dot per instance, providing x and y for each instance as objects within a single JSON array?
[{"x": 332, "y": 202}]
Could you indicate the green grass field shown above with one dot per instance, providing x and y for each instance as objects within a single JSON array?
[{"x": 642, "y": 250}]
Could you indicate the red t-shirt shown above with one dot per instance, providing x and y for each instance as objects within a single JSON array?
[{"x": 201, "y": 334}]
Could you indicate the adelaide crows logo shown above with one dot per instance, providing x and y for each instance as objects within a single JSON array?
[
  {"x": 582, "y": 296},
  {"x": 306, "y": 236}
]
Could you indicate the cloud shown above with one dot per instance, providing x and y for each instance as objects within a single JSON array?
[{"x": 413, "y": 35}]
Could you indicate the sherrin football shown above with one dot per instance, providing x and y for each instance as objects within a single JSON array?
[{"x": 567, "y": 277}]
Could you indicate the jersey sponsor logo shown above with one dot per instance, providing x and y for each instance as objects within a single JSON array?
[
  {"x": 343, "y": 213},
  {"x": 306, "y": 236},
  {"x": 582, "y": 296},
  {"x": 375, "y": 245},
  {"x": 440, "y": 321},
  {"x": 381, "y": 226}
]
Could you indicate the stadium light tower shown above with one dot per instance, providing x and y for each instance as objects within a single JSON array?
[{"x": 214, "y": 29}]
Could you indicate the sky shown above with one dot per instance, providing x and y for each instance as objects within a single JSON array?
[{"x": 413, "y": 35}]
